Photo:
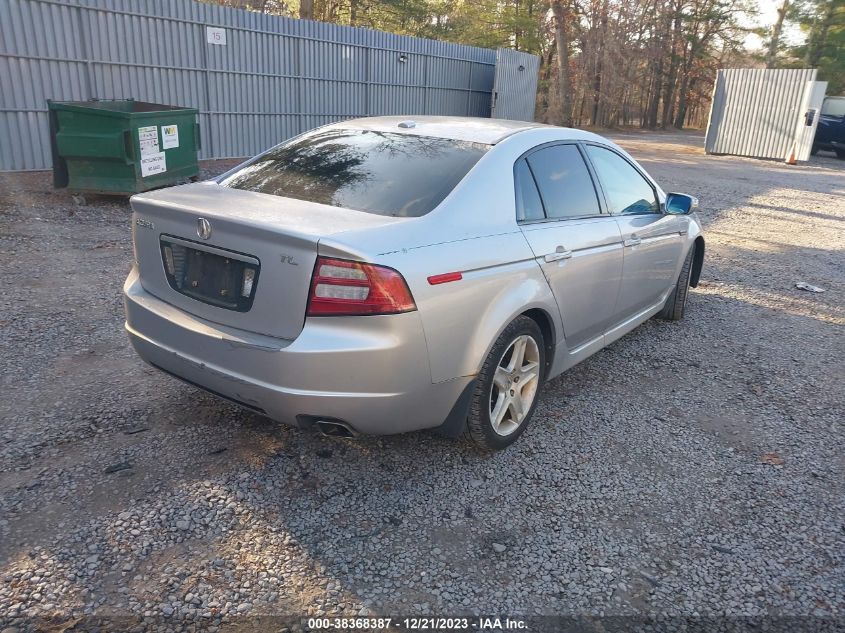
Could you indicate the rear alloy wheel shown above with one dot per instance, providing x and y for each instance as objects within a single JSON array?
[
  {"x": 507, "y": 387},
  {"x": 673, "y": 309}
]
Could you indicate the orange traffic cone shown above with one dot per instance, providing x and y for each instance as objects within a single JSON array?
[{"x": 790, "y": 160}]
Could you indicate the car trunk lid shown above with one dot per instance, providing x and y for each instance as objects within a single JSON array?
[{"x": 235, "y": 257}]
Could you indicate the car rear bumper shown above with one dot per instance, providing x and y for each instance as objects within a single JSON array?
[{"x": 372, "y": 372}]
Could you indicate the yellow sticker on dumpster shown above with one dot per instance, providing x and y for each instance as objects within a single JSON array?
[{"x": 169, "y": 136}]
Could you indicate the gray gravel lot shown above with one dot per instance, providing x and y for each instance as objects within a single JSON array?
[{"x": 690, "y": 469}]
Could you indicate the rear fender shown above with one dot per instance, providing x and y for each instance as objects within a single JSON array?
[{"x": 530, "y": 293}]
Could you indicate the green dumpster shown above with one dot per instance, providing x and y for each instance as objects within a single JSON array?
[{"x": 123, "y": 146}]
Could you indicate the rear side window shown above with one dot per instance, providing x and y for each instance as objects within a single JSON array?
[
  {"x": 378, "y": 172},
  {"x": 627, "y": 191},
  {"x": 530, "y": 205},
  {"x": 565, "y": 184}
]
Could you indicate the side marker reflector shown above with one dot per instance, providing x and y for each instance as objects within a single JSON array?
[{"x": 444, "y": 278}]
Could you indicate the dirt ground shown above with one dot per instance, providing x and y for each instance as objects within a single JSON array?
[{"x": 690, "y": 470}]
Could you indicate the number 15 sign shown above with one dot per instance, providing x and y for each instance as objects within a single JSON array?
[{"x": 215, "y": 35}]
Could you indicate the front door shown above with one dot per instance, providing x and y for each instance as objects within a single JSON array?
[
  {"x": 577, "y": 246},
  {"x": 651, "y": 239}
]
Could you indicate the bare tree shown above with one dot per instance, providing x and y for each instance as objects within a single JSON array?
[
  {"x": 561, "y": 13},
  {"x": 599, "y": 52},
  {"x": 774, "y": 41}
]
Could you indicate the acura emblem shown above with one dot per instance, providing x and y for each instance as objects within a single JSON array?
[{"x": 203, "y": 228}]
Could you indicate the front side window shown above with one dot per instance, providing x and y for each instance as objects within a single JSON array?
[
  {"x": 564, "y": 182},
  {"x": 627, "y": 191},
  {"x": 385, "y": 173}
]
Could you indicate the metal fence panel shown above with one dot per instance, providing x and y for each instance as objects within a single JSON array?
[
  {"x": 274, "y": 78},
  {"x": 515, "y": 85},
  {"x": 755, "y": 111}
]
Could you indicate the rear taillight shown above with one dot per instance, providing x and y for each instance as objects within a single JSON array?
[{"x": 343, "y": 287}]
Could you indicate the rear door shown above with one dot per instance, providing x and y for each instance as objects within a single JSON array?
[
  {"x": 651, "y": 239},
  {"x": 577, "y": 246}
]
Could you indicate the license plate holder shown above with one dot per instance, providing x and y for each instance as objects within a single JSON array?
[{"x": 219, "y": 277}]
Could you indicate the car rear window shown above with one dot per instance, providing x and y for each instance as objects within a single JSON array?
[{"x": 378, "y": 172}]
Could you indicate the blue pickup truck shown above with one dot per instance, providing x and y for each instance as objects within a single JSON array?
[{"x": 830, "y": 134}]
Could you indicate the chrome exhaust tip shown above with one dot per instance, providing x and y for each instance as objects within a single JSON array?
[{"x": 334, "y": 428}]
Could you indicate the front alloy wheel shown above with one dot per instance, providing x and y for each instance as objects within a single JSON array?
[{"x": 508, "y": 384}]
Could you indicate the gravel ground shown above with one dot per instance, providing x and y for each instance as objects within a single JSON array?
[{"x": 689, "y": 470}]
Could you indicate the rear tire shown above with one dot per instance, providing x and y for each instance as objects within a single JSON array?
[
  {"x": 508, "y": 386},
  {"x": 673, "y": 309}
]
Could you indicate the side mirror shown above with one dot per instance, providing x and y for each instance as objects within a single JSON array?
[{"x": 680, "y": 204}]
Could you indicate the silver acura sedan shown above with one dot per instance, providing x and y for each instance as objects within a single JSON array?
[{"x": 385, "y": 275}]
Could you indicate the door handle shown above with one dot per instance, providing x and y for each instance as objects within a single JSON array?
[
  {"x": 632, "y": 241},
  {"x": 559, "y": 254}
]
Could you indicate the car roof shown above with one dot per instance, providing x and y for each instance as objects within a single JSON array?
[{"x": 476, "y": 130}]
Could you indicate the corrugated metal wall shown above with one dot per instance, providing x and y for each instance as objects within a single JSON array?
[
  {"x": 515, "y": 85},
  {"x": 755, "y": 111},
  {"x": 274, "y": 78}
]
